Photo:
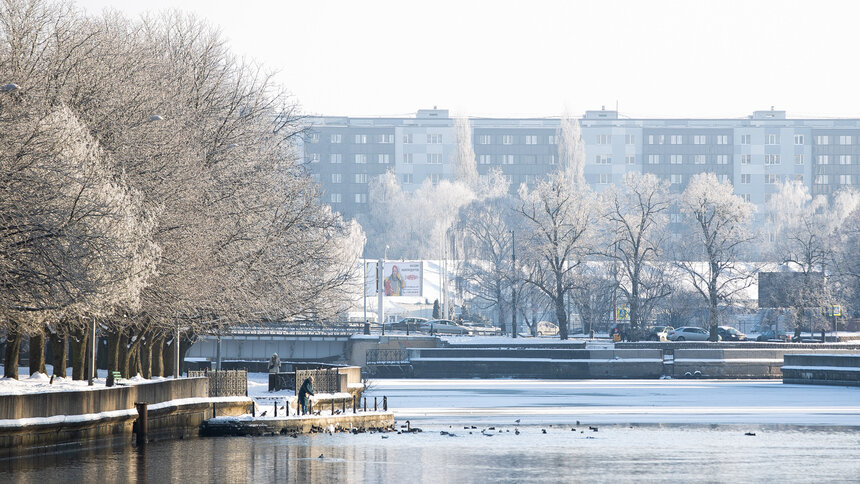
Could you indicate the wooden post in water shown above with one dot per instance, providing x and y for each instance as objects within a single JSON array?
[{"x": 142, "y": 422}]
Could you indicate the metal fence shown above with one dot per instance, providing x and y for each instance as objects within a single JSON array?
[
  {"x": 225, "y": 383},
  {"x": 326, "y": 380},
  {"x": 386, "y": 356}
]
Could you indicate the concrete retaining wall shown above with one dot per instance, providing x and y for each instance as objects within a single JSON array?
[
  {"x": 364, "y": 421},
  {"x": 822, "y": 369}
]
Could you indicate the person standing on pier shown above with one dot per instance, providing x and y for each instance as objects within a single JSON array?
[{"x": 306, "y": 389}]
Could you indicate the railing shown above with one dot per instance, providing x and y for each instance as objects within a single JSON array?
[
  {"x": 325, "y": 380},
  {"x": 225, "y": 383},
  {"x": 386, "y": 357},
  {"x": 300, "y": 329}
]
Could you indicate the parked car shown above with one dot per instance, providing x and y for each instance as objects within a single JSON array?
[
  {"x": 658, "y": 333},
  {"x": 768, "y": 334},
  {"x": 545, "y": 328},
  {"x": 443, "y": 326},
  {"x": 688, "y": 333},
  {"x": 727, "y": 333},
  {"x": 410, "y": 324}
]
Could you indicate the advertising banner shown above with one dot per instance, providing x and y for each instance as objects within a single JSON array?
[{"x": 403, "y": 279}]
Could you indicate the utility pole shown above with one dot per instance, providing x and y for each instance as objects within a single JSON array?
[{"x": 514, "y": 285}]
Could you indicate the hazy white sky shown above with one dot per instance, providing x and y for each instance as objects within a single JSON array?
[{"x": 541, "y": 57}]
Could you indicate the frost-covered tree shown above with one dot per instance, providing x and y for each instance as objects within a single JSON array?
[
  {"x": 635, "y": 238},
  {"x": 465, "y": 164},
  {"x": 571, "y": 149},
  {"x": 717, "y": 232},
  {"x": 559, "y": 216}
]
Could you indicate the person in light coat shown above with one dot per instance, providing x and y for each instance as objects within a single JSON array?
[{"x": 274, "y": 364}]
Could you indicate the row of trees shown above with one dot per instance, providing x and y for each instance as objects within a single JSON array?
[
  {"x": 148, "y": 183},
  {"x": 560, "y": 244}
]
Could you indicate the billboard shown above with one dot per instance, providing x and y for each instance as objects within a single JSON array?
[{"x": 398, "y": 279}]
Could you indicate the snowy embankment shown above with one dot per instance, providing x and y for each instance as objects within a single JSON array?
[{"x": 41, "y": 383}]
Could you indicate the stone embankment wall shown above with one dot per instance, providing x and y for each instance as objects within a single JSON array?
[
  {"x": 822, "y": 369},
  {"x": 48, "y": 421}
]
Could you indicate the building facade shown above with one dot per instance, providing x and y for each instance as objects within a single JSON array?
[{"x": 755, "y": 153}]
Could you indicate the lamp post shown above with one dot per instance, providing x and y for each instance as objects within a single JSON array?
[
  {"x": 380, "y": 288},
  {"x": 513, "y": 286}
]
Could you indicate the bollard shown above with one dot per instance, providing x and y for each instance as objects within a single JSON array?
[
  {"x": 354, "y": 404},
  {"x": 343, "y": 406},
  {"x": 253, "y": 409},
  {"x": 332, "y": 407},
  {"x": 365, "y": 404},
  {"x": 142, "y": 422},
  {"x": 276, "y": 408},
  {"x": 213, "y": 409},
  {"x": 385, "y": 403},
  {"x": 374, "y": 404}
]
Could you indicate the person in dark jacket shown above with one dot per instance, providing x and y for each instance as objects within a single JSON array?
[{"x": 306, "y": 389}]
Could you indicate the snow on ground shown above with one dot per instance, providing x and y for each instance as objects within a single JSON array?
[
  {"x": 41, "y": 382},
  {"x": 621, "y": 401}
]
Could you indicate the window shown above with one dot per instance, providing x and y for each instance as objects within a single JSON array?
[
  {"x": 385, "y": 138},
  {"x": 722, "y": 159},
  {"x": 361, "y": 139},
  {"x": 507, "y": 159},
  {"x": 745, "y": 197},
  {"x": 746, "y": 178},
  {"x": 629, "y": 139},
  {"x": 746, "y": 159},
  {"x": 314, "y": 138},
  {"x": 821, "y": 179},
  {"x": 335, "y": 198},
  {"x": 434, "y": 158},
  {"x": 771, "y": 178},
  {"x": 798, "y": 139},
  {"x": 676, "y": 179},
  {"x": 552, "y": 160},
  {"x": 507, "y": 139},
  {"x": 676, "y": 159},
  {"x": 844, "y": 179},
  {"x": 845, "y": 140},
  {"x": 314, "y": 157},
  {"x": 360, "y": 198},
  {"x": 484, "y": 139},
  {"x": 653, "y": 159},
  {"x": 630, "y": 160},
  {"x": 773, "y": 139},
  {"x": 336, "y": 177},
  {"x": 603, "y": 159},
  {"x": 771, "y": 159},
  {"x": 551, "y": 139},
  {"x": 603, "y": 178},
  {"x": 676, "y": 139},
  {"x": 407, "y": 158},
  {"x": 798, "y": 159},
  {"x": 603, "y": 139},
  {"x": 336, "y": 138},
  {"x": 361, "y": 177},
  {"x": 383, "y": 158},
  {"x": 406, "y": 178},
  {"x": 723, "y": 177},
  {"x": 656, "y": 139},
  {"x": 531, "y": 139},
  {"x": 699, "y": 139},
  {"x": 335, "y": 158},
  {"x": 745, "y": 139},
  {"x": 434, "y": 139},
  {"x": 699, "y": 159},
  {"x": 723, "y": 139},
  {"x": 434, "y": 178},
  {"x": 844, "y": 159},
  {"x": 823, "y": 159},
  {"x": 407, "y": 138},
  {"x": 483, "y": 159},
  {"x": 360, "y": 158},
  {"x": 822, "y": 140}
]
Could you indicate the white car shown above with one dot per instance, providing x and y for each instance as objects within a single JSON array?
[
  {"x": 688, "y": 333},
  {"x": 443, "y": 326}
]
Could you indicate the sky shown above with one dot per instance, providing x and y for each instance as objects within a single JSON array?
[{"x": 545, "y": 57}]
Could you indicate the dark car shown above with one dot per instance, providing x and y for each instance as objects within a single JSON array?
[
  {"x": 768, "y": 334},
  {"x": 727, "y": 333},
  {"x": 406, "y": 324}
]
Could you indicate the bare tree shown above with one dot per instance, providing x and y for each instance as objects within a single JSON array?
[
  {"x": 465, "y": 165},
  {"x": 571, "y": 149},
  {"x": 559, "y": 216},
  {"x": 709, "y": 253}
]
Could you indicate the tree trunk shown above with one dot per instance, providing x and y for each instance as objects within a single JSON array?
[
  {"x": 146, "y": 357},
  {"x": 157, "y": 359},
  {"x": 167, "y": 353},
  {"x": 124, "y": 356},
  {"x": 78, "y": 343},
  {"x": 13, "y": 349},
  {"x": 37, "y": 353},
  {"x": 113, "y": 337},
  {"x": 561, "y": 315},
  {"x": 59, "y": 347}
]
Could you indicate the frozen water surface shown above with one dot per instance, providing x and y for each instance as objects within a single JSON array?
[{"x": 647, "y": 431}]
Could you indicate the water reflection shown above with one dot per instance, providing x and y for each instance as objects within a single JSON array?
[{"x": 612, "y": 454}]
